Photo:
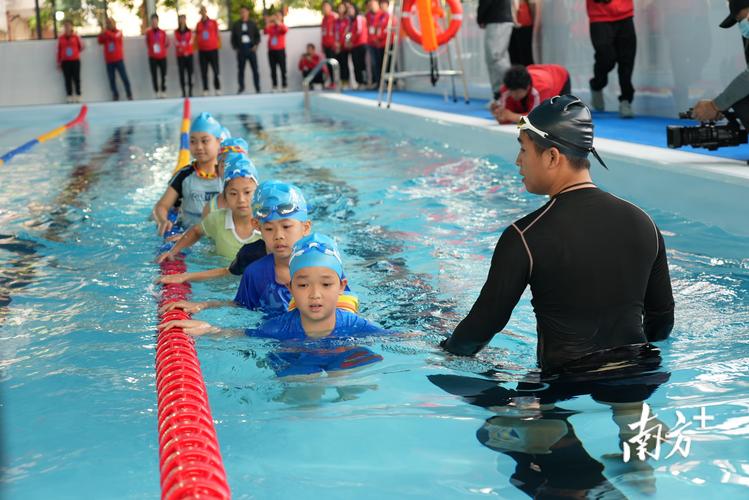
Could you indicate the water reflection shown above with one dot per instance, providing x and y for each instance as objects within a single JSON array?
[{"x": 533, "y": 430}]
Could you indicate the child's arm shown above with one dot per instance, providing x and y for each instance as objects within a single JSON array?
[
  {"x": 161, "y": 210},
  {"x": 196, "y": 276},
  {"x": 196, "y": 307},
  {"x": 187, "y": 240},
  {"x": 199, "y": 328}
]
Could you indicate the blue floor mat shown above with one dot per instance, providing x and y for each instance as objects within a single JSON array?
[{"x": 648, "y": 130}]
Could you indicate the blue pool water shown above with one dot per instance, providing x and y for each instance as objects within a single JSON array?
[{"x": 417, "y": 222}]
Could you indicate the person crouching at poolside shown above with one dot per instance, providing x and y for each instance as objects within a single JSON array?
[
  {"x": 231, "y": 227},
  {"x": 192, "y": 186},
  {"x": 317, "y": 282},
  {"x": 280, "y": 211}
]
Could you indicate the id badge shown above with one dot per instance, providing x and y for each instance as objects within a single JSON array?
[
  {"x": 156, "y": 48},
  {"x": 110, "y": 47},
  {"x": 274, "y": 41},
  {"x": 205, "y": 35},
  {"x": 371, "y": 30},
  {"x": 246, "y": 39},
  {"x": 69, "y": 52}
]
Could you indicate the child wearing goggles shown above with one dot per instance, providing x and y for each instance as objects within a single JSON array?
[
  {"x": 280, "y": 212},
  {"x": 230, "y": 228},
  {"x": 231, "y": 149},
  {"x": 192, "y": 186},
  {"x": 317, "y": 283}
]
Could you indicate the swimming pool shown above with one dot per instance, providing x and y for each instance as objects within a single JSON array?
[{"x": 417, "y": 217}]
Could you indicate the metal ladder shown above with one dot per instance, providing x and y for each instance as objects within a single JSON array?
[
  {"x": 336, "y": 77},
  {"x": 391, "y": 52}
]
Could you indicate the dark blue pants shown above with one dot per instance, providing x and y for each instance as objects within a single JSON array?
[
  {"x": 243, "y": 57},
  {"x": 118, "y": 66}
]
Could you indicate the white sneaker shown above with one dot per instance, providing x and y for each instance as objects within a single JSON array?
[
  {"x": 274, "y": 90},
  {"x": 205, "y": 93},
  {"x": 217, "y": 92},
  {"x": 77, "y": 98},
  {"x": 69, "y": 99},
  {"x": 285, "y": 89},
  {"x": 625, "y": 109},
  {"x": 596, "y": 97}
]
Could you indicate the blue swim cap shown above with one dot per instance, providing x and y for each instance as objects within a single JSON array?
[
  {"x": 234, "y": 144},
  {"x": 276, "y": 200},
  {"x": 225, "y": 134},
  {"x": 205, "y": 122},
  {"x": 316, "y": 250},
  {"x": 238, "y": 165}
]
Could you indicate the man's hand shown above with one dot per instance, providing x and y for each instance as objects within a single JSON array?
[{"x": 706, "y": 111}]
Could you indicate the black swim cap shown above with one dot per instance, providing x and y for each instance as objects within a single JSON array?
[{"x": 564, "y": 122}]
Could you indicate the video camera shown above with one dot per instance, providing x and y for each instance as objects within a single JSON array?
[{"x": 707, "y": 135}]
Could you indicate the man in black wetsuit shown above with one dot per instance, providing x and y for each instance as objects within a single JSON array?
[{"x": 596, "y": 264}]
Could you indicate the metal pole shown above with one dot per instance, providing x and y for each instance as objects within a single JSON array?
[
  {"x": 38, "y": 20},
  {"x": 395, "y": 56},
  {"x": 388, "y": 55}
]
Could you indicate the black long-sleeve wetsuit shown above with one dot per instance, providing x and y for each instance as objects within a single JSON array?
[{"x": 597, "y": 269}]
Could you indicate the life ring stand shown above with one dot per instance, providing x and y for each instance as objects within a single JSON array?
[{"x": 410, "y": 10}]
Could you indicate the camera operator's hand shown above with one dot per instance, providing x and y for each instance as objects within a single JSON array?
[{"x": 706, "y": 111}]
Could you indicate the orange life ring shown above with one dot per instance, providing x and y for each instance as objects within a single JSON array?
[{"x": 456, "y": 19}]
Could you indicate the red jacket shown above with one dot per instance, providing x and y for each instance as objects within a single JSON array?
[
  {"x": 277, "y": 34},
  {"x": 342, "y": 28},
  {"x": 309, "y": 63},
  {"x": 359, "y": 34},
  {"x": 183, "y": 42},
  {"x": 616, "y": 10},
  {"x": 112, "y": 42},
  {"x": 207, "y": 35},
  {"x": 524, "y": 15},
  {"x": 157, "y": 43},
  {"x": 69, "y": 48},
  {"x": 547, "y": 80},
  {"x": 380, "y": 29},
  {"x": 328, "y": 30}
]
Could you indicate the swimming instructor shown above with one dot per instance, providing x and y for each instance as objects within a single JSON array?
[{"x": 596, "y": 264}]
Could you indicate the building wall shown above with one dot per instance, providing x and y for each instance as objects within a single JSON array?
[
  {"x": 682, "y": 54},
  {"x": 30, "y": 75}
]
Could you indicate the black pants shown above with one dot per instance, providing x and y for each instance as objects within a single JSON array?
[
  {"x": 71, "y": 70},
  {"x": 359, "y": 58},
  {"x": 206, "y": 57},
  {"x": 615, "y": 44},
  {"x": 342, "y": 58},
  {"x": 521, "y": 45},
  {"x": 317, "y": 79},
  {"x": 277, "y": 59},
  {"x": 742, "y": 111},
  {"x": 157, "y": 65},
  {"x": 329, "y": 54},
  {"x": 185, "y": 67},
  {"x": 243, "y": 56},
  {"x": 119, "y": 67}
]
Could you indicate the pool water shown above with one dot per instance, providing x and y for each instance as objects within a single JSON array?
[{"x": 417, "y": 222}]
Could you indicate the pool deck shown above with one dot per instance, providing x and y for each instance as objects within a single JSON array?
[{"x": 645, "y": 130}]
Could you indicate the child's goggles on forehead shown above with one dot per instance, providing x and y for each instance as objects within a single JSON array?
[
  {"x": 320, "y": 247},
  {"x": 237, "y": 173},
  {"x": 263, "y": 211}
]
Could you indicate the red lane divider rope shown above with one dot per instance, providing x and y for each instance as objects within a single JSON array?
[{"x": 189, "y": 453}]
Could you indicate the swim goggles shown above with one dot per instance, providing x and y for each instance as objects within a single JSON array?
[
  {"x": 236, "y": 173},
  {"x": 232, "y": 149},
  {"x": 262, "y": 211},
  {"x": 524, "y": 123},
  {"x": 320, "y": 247}
]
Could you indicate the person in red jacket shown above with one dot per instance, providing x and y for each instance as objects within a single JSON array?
[
  {"x": 327, "y": 26},
  {"x": 111, "y": 39},
  {"x": 612, "y": 31},
  {"x": 526, "y": 87},
  {"x": 69, "y": 49},
  {"x": 157, "y": 44},
  {"x": 359, "y": 36},
  {"x": 308, "y": 62},
  {"x": 521, "y": 41},
  {"x": 342, "y": 47},
  {"x": 373, "y": 17},
  {"x": 183, "y": 45},
  {"x": 381, "y": 36},
  {"x": 208, "y": 42},
  {"x": 276, "y": 31}
]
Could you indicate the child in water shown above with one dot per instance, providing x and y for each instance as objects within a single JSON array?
[
  {"x": 192, "y": 186},
  {"x": 281, "y": 214},
  {"x": 317, "y": 283},
  {"x": 230, "y": 228}
]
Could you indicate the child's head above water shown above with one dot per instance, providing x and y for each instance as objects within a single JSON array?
[
  {"x": 205, "y": 138},
  {"x": 281, "y": 213},
  {"x": 240, "y": 183},
  {"x": 316, "y": 277}
]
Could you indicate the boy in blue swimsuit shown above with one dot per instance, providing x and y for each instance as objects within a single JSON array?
[
  {"x": 280, "y": 211},
  {"x": 316, "y": 285}
]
